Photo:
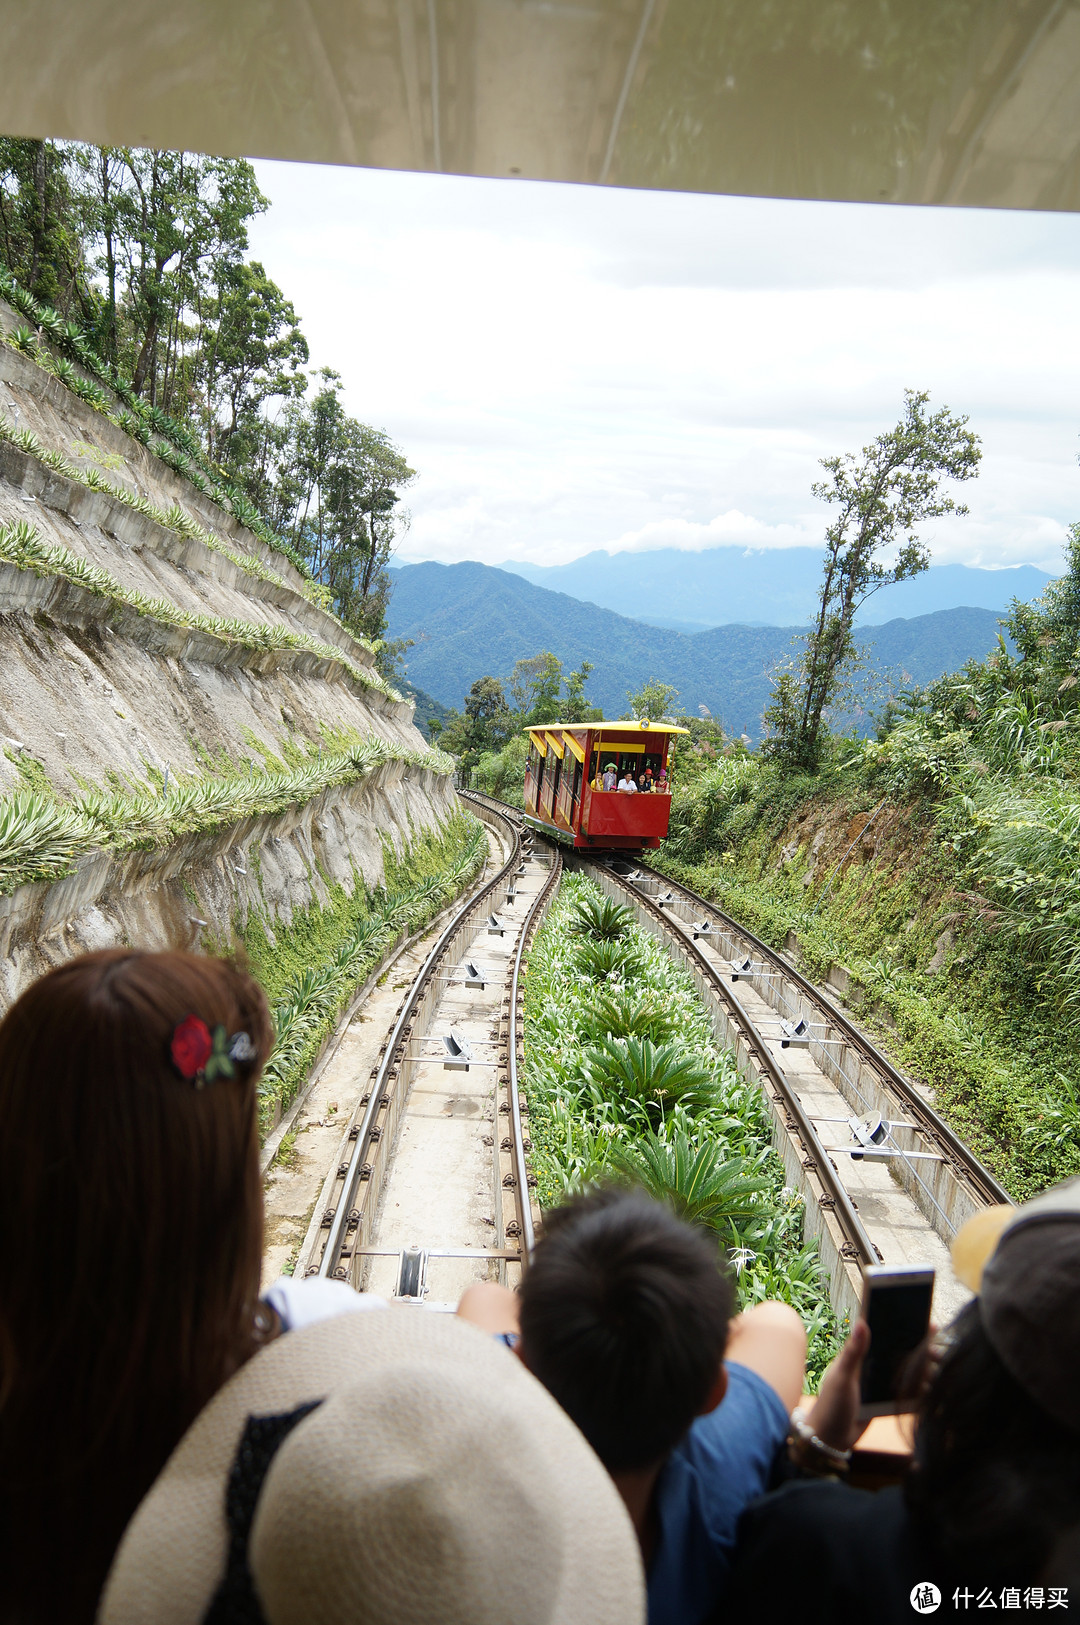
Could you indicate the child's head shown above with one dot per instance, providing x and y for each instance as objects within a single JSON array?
[{"x": 624, "y": 1319}]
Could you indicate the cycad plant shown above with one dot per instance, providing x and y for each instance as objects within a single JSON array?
[
  {"x": 624, "y": 1079},
  {"x": 656, "y": 1077},
  {"x": 600, "y": 917},
  {"x": 697, "y": 1180},
  {"x": 628, "y": 1013},
  {"x": 605, "y": 960}
]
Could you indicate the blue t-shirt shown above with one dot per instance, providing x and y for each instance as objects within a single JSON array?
[{"x": 723, "y": 1463}]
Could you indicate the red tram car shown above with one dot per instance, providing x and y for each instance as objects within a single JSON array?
[{"x": 564, "y": 775}]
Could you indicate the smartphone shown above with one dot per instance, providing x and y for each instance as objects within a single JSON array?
[{"x": 896, "y": 1307}]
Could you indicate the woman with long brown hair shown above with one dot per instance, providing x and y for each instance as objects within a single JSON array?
[{"x": 131, "y": 1227}]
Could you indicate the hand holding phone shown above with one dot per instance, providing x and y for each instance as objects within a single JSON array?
[{"x": 896, "y": 1307}]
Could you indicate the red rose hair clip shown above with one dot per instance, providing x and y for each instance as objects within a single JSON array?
[{"x": 201, "y": 1055}]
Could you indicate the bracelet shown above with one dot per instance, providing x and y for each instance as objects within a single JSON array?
[{"x": 806, "y": 1435}]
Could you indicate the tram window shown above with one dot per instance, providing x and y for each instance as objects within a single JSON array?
[
  {"x": 555, "y": 781},
  {"x": 577, "y": 785}
]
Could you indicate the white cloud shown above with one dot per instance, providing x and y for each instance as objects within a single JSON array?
[
  {"x": 731, "y": 529},
  {"x": 573, "y": 369}
]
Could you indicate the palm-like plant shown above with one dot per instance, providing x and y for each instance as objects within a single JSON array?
[
  {"x": 653, "y": 1077},
  {"x": 621, "y": 1013},
  {"x": 702, "y": 1186},
  {"x": 605, "y": 961},
  {"x": 601, "y": 918}
]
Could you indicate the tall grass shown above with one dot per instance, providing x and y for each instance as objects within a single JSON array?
[{"x": 311, "y": 1002}]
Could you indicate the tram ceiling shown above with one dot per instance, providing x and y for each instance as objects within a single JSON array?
[{"x": 972, "y": 102}]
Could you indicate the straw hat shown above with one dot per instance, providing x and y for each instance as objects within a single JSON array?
[{"x": 437, "y": 1482}]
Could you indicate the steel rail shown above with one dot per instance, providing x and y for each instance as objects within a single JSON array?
[
  {"x": 362, "y": 1144},
  {"x": 929, "y": 1123},
  {"x": 532, "y": 920},
  {"x": 857, "y": 1243},
  {"x": 529, "y": 925}
]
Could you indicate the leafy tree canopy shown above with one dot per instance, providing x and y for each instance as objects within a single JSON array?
[
  {"x": 883, "y": 495},
  {"x": 654, "y": 701},
  {"x": 539, "y": 693},
  {"x": 148, "y": 251}
]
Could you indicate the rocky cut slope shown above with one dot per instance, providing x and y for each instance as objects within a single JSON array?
[{"x": 188, "y": 735}]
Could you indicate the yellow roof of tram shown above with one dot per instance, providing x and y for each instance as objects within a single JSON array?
[
  {"x": 645, "y": 729},
  {"x": 902, "y": 101}
]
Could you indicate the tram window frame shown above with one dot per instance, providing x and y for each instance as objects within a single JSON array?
[{"x": 575, "y": 793}]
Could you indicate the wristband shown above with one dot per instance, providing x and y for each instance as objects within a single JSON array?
[{"x": 838, "y": 1460}]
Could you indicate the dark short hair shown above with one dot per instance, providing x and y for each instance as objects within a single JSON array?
[{"x": 624, "y": 1319}]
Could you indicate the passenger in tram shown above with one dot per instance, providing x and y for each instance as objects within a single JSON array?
[
  {"x": 644, "y": 783},
  {"x": 611, "y": 778},
  {"x": 663, "y": 784},
  {"x": 991, "y": 1506},
  {"x": 625, "y": 1315},
  {"x": 131, "y": 1232},
  {"x": 626, "y": 783}
]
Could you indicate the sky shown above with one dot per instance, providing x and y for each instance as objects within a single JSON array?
[{"x": 571, "y": 368}]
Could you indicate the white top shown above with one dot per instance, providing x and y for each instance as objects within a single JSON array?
[
  {"x": 307, "y": 1301},
  {"x": 628, "y": 787}
]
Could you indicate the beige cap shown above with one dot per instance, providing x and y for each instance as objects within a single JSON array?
[{"x": 439, "y": 1482}]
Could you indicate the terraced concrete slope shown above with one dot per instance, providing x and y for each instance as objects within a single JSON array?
[{"x": 187, "y": 734}]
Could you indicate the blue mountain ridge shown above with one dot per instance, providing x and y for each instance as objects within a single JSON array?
[
  {"x": 470, "y": 620},
  {"x": 725, "y": 585}
]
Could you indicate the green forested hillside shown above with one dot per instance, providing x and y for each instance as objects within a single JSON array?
[
  {"x": 938, "y": 866},
  {"x": 469, "y": 620}
]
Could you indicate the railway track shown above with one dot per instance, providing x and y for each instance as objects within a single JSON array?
[
  {"x": 431, "y": 1190},
  {"x": 883, "y": 1176}
]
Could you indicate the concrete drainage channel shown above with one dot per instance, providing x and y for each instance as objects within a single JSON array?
[{"x": 430, "y": 1188}]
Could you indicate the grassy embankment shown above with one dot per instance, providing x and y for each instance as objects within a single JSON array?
[
  {"x": 311, "y": 967},
  {"x": 624, "y": 1080},
  {"x": 940, "y": 866}
]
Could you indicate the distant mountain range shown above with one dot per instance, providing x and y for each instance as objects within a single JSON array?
[
  {"x": 724, "y": 585},
  {"x": 470, "y": 620}
]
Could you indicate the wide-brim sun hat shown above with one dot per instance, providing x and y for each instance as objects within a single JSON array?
[
  {"x": 1024, "y": 1264},
  {"x": 436, "y": 1482}
]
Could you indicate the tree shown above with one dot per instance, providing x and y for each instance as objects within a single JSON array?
[
  {"x": 653, "y": 701},
  {"x": 883, "y": 495},
  {"x": 576, "y": 707},
  {"x": 164, "y": 226},
  {"x": 363, "y": 499},
  {"x": 486, "y": 724},
  {"x": 151, "y": 246},
  {"x": 1047, "y": 636},
  {"x": 536, "y": 686},
  {"x": 253, "y": 353},
  {"x": 39, "y": 225},
  {"x": 492, "y": 720}
]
